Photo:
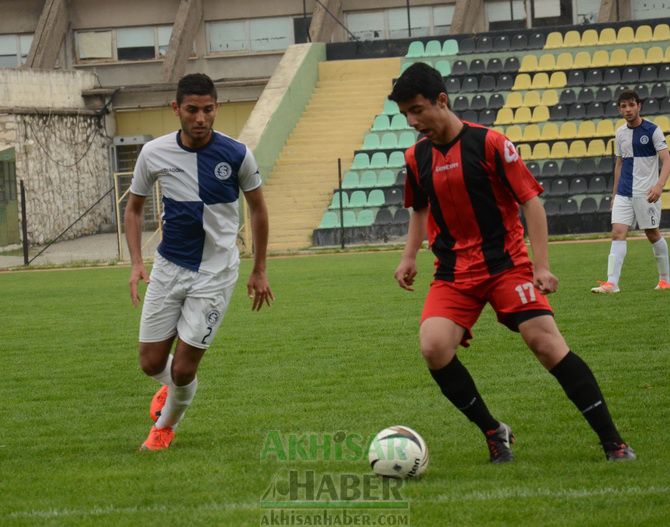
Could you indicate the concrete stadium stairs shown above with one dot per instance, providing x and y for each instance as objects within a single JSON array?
[{"x": 345, "y": 101}]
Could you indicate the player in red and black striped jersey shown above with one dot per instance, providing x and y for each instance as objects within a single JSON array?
[{"x": 465, "y": 185}]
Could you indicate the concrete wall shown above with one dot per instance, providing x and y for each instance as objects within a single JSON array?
[{"x": 62, "y": 157}]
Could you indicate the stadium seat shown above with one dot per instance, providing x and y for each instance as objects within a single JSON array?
[
  {"x": 361, "y": 161},
  {"x": 476, "y": 67},
  {"x": 630, "y": 75},
  {"x": 396, "y": 159},
  {"x": 531, "y": 99},
  {"x": 529, "y": 63},
  {"x": 415, "y": 50},
  {"x": 605, "y": 128},
  {"x": 487, "y": 83},
  {"x": 398, "y": 122},
  {"x": 540, "y": 114},
  {"x": 357, "y": 199},
  {"x": 365, "y": 218},
  {"x": 335, "y": 201},
  {"x": 595, "y": 110},
  {"x": 487, "y": 117},
  {"x": 386, "y": 178},
  {"x": 514, "y": 133},
  {"x": 393, "y": 196},
  {"x": 534, "y": 168},
  {"x": 586, "y": 96},
  {"x": 471, "y": 116},
  {"x": 349, "y": 218},
  {"x": 625, "y": 35},
  {"x": 611, "y": 77},
  {"x": 433, "y": 48},
  {"x": 390, "y": 108},
  {"x": 589, "y": 38},
  {"x": 401, "y": 176},
  {"x": 519, "y": 42},
  {"x": 611, "y": 109},
  {"x": 383, "y": 217},
  {"x": 376, "y": 198},
  {"x": 554, "y": 40},
  {"x": 466, "y": 45},
  {"x": 593, "y": 77},
  {"x": 663, "y": 122},
  {"x": 401, "y": 216},
  {"x": 378, "y": 160},
  {"x": 586, "y": 129},
  {"x": 665, "y": 106},
  {"x": 661, "y": 32},
  {"x": 618, "y": 57},
  {"x": 577, "y": 111},
  {"x": 607, "y": 37},
  {"x": 549, "y": 98},
  {"x": 586, "y": 166},
  {"x": 605, "y": 165},
  {"x": 558, "y": 79},
  {"x": 529, "y": 134},
  {"x": 453, "y": 84},
  {"x": 651, "y": 106},
  {"x": 406, "y": 139},
  {"x": 478, "y": 102},
  {"x": 605, "y": 204},
  {"x": 380, "y": 123},
  {"x": 571, "y": 39},
  {"x": 470, "y": 84},
  {"x": 525, "y": 151},
  {"x": 494, "y": 65},
  {"x": 568, "y": 130},
  {"x": 350, "y": 180},
  {"x": 549, "y": 131},
  {"x": 575, "y": 78},
  {"x": 505, "y": 116},
  {"x": 496, "y": 101},
  {"x": 511, "y": 64},
  {"x": 596, "y": 148},
  {"x": 522, "y": 115},
  {"x": 537, "y": 40},
  {"x": 658, "y": 91},
  {"x": 568, "y": 206},
  {"x": 603, "y": 94},
  {"x": 654, "y": 55},
  {"x": 577, "y": 148},
  {"x": 459, "y": 67},
  {"x": 588, "y": 206},
  {"x": 371, "y": 142},
  {"x": 559, "y": 187},
  {"x": 636, "y": 56},
  {"x": 578, "y": 185},
  {"x": 643, "y": 33},
  {"x": 559, "y": 112},
  {"x": 368, "y": 179},
  {"x": 541, "y": 151},
  {"x": 597, "y": 184},
  {"x": 460, "y": 103},
  {"x": 551, "y": 207},
  {"x": 540, "y": 81},
  {"x": 648, "y": 73},
  {"x": 600, "y": 59},
  {"x": 330, "y": 220},
  {"x": 501, "y": 43},
  {"x": 568, "y": 96},
  {"x": 564, "y": 61},
  {"x": 505, "y": 82},
  {"x": 450, "y": 47},
  {"x": 514, "y": 100},
  {"x": 444, "y": 67},
  {"x": 559, "y": 150},
  {"x": 483, "y": 44}
]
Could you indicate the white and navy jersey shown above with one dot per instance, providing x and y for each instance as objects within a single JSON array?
[
  {"x": 638, "y": 149},
  {"x": 200, "y": 191}
]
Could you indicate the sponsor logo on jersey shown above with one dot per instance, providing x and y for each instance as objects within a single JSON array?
[
  {"x": 511, "y": 155},
  {"x": 169, "y": 170},
  {"x": 449, "y": 166},
  {"x": 644, "y": 139},
  {"x": 213, "y": 317},
  {"x": 223, "y": 171}
]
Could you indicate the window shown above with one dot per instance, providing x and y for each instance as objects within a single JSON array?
[
  {"x": 255, "y": 34},
  {"x": 126, "y": 43},
  {"x": 14, "y": 50},
  {"x": 392, "y": 23},
  {"x": 506, "y": 14}
]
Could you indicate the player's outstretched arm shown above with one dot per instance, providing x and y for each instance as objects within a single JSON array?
[
  {"x": 416, "y": 233},
  {"x": 133, "y": 226},
  {"x": 536, "y": 220},
  {"x": 258, "y": 287}
]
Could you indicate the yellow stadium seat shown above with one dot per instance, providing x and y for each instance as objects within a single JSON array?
[
  {"x": 600, "y": 59},
  {"x": 665, "y": 200},
  {"x": 524, "y": 151},
  {"x": 571, "y": 39},
  {"x": 558, "y": 80},
  {"x": 663, "y": 122},
  {"x": 532, "y": 99},
  {"x": 596, "y": 148},
  {"x": 609, "y": 148},
  {"x": 564, "y": 61},
  {"x": 568, "y": 130},
  {"x": 586, "y": 129},
  {"x": 559, "y": 150},
  {"x": 619, "y": 123},
  {"x": 643, "y": 33},
  {"x": 528, "y": 63},
  {"x": 505, "y": 116},
  {"x": 607, "y": 37},
  {"x": 618, "y": 57},
  {"x": 541, "y": 151},
  {"x": 514, "y": 133},
  {"x": 637, "y": 56},
  {"x": 583, "y": 59},
  {"x": 531, "y": 133},
  {"x": 547, "y": 62},
  {"x": 540, "y": 114},
  {"x": 540, "y": 81},
  {"x": 550, "y": 98},
  {"x": 654, "y": 56},
  {"x": 577, "y": 149},
  {"x": 667, "y": 54},
  {"x": 554, "y": 40},
  {"x": 605, "y": 128},
  {"x": 522, "y": 115},
  {"x": 522, "y": 82},
  {"x": 661, "y": 32},
  {"x": 499, "y": 129},
  {"x": 549, "y": 131},
  {"x": 514, "y": 100},
  {"x": 589, "y": 38},
  {"x": 625, "y": 35}
]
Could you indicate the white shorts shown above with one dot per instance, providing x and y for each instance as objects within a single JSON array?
[
  {"x": 627, "y": 211},
  {"x": 185, "y": 303}
]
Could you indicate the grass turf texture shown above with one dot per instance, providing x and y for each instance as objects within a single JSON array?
[{"x": 337, "y": 352}]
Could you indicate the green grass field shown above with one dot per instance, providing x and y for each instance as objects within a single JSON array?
[{"x": 337, "y": 352}]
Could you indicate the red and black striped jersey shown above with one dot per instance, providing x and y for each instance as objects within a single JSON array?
[{"x": 473, "y": 187}]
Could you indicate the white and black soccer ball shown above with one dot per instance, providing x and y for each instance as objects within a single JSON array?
[{"x": 398, "y": 452}]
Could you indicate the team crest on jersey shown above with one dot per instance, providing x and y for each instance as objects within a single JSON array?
[
  {"x": 511, "y": 154},
  {"x": 644, "y": 139},
  {"x": 223, "y": 171},
  {"x": 213, "y": 317}
]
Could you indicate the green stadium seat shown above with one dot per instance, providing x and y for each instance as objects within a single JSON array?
[
  {"x": 389, "y": 140},
  {"x": 371, "y": 142},
  {"x": 335, "y": 201},
  {"x": 444, "y": 67},
  {"x": 398, "y": 122},
  {"x": 357, "y": 199},
  {"x": 361, "y": 161},
  {"x": 365, "y": 218},
  {"x": 406, "y": 139},
  {"x": 378, "y": 160},
  {"x": 396, "y": 160},
  {"x": 381, "y": 123},
  {"x": 415, "y": 50},
  {"x": 390, "y": 108},
  {"x": 368, "y": 179},
  {"x": 376, "y": 198},
  {"x": 450, "y": 47},
  {"x": 349, "y": 217},
  {"x": 330, "y": 220},
  {"x": 386, "y": 178},
  {"x": 433, "y": 49},
  {"x": 350, "y": 180}
]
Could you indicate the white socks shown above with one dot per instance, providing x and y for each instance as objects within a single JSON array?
[
  {"x": 660, "y": 249},
  {"x": 165, "y": 377},
  {"x": 615, "y": 260},
  {"x": 178, "y": 400}
]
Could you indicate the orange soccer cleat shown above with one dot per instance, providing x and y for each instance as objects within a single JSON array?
[
  {"x": 158, "y": 439},
  {"x": 157, "y": 403},
  {"x": 662, "y": 284}
]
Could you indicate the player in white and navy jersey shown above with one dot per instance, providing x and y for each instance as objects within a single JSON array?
[
  {"x": 201, "y": 173},
  {"x": 639, "y": 144}
]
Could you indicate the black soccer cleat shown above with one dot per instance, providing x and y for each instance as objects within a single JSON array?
[
  {"x": 499, "y": 442},
  {"x": 618, "y": 451}
]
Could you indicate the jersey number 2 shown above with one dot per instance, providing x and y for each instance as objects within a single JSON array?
[
  {"x": 208, "y": 334},
  {"x": 526, "y": 288}
]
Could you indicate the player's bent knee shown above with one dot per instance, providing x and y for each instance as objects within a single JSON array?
[
  {"x": 151, "y": 365},
  {"x": 436, "y": 353}
]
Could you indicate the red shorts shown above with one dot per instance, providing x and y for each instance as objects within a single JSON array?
[{"x": 511, "y": 294}]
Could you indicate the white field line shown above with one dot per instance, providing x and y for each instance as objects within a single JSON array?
[{"x": 501, "y": 494}]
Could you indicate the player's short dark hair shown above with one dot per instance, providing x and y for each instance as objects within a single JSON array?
[
  {"x": 628, "y": 95},
  {"x": 195, "y": 84},
  {"x": 418, "y": 79}
]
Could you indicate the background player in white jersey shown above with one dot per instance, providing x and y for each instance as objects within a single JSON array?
[
  {"x": 639, "y": 144},
  {"x": 200, "y": 172}
]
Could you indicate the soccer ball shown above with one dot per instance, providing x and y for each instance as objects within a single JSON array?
[{"x": 398, "y": 452}]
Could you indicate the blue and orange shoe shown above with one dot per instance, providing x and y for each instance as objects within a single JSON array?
[
  {"x": 158, "y": 439},
  {"x": 157, "y": 403},
  {"x": 499, "y": 442}
]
